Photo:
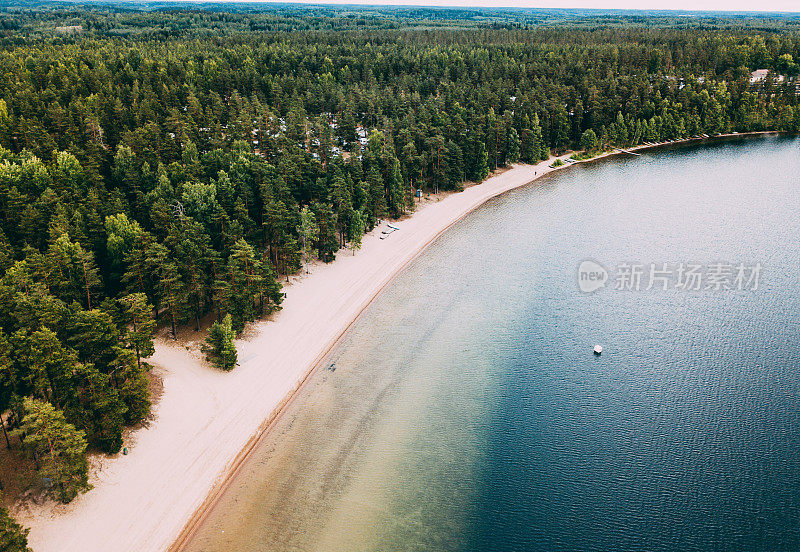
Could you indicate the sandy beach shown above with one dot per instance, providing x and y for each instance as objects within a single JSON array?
[{"x": 206, "y": 420}]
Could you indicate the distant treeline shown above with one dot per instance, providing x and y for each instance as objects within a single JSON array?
[
  {"x": 36, "y": 18},
  {"x": 173, "y": 175}
]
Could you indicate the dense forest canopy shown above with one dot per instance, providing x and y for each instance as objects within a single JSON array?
[
  {"x": 169, "y": 163},
  {"x": 204, "y": 18}
]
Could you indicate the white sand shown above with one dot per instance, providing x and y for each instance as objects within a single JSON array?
[{"x": 142, "y": 501}]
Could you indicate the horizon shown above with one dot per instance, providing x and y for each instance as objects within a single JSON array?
[{"x": 693, "y": 7}]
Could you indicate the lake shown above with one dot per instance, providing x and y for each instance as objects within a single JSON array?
[{"x": 466, "y": 411}]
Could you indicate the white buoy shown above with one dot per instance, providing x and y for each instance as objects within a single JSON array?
[{"x": 598, "y": 349}]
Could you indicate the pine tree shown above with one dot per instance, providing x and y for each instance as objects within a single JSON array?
[
  {"x": 128, "y": 176},
  {"x": 309, "y": 233},
  {"x": 219, "y": 347},
  {"x": 138, "y": 276},
  {"x": 93, "y": 334},
  {"x": 172, "y": 292},
  {"x": 59, "y": 448},
  {"x": 356, "y": 230},
  {"x": 481, "y": 163},
  {"x": 13, "y": 538},
  {"x": 341, "y": 198},
  {"x": 170, "y": 289},
  {"x": 96, "y": 408},
  {"x": 194, "y": 256},
  {"x": 376, "y": 193},
  {"x": 74, "y": 276},
  {"x": 136, "y": 316},
  {"x": 328, "y": 242},
  {"x": 395, "y": 188},
  {"x": 529, "y": 152},
  {"x": 589, "y": 141},
  {"x": 455, "y": 166},
  {"x": 492, "y": 138},
  {"x": 8, "y": 381},
  {"x": 242, "y": 283},
  {"x": 620, "y": 132},
  {"x": 47, "y": 365},
  {"x": 122, "y": 235},
  {"x": 131, "y": 384},
  {"x": 540, "y": 146},
  {"x": 268, "y": 287},
  {"x": 513, "y": 145}
]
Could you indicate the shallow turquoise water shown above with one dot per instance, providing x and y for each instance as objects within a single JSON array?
[{"x": 465, "y": 411}]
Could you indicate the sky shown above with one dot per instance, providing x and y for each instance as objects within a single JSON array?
[{"x": 693, "y": 5}]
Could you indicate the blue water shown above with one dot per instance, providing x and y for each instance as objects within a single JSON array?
[
  {"x": 467, "y": 411},
  {"x": 685, "y": 433}
]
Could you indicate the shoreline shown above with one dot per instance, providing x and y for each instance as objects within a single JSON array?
[
  {"x": 198, "y": 517},
  {"x": 208, "y": 421},
  {"x": 684, "y": 141}
]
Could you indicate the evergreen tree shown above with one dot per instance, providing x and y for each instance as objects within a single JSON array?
[
  {"x": 9, "y": 380},
  {"x": 136, "y": 317},
  {"x": 621, "y": 130},
  {"x": 513, "y": 145},
  {"x": 309, "y": 233},
  {"x": 268, "y": 287},
  {"x": 93, "y": 334},
  {"x": 539, "y": 149},
  {"x": 482, "y": 163},
  {"x": 194, "y": 256},
  {"x": 132, "y": 386},
  {"x": 59, "y": 448},
  {"x": 356, "y": 230},
  {"x": 138, "y": 276},
  {"x": 395, "y": 188},
  {"x": 242, "y": 283},
  {"x": 122, "y": 236},
  {"x": 328, "y": 242},
  {"x": 169, "y": 286},
  {"x": 376, "y": 193},
  {"x": 96, "y": 408},
  {"x": 219, "y": 347},
  {"x": 13, "y": 538},
  {"x": 73, "y": 273},
  {"x": 589, "y": 141}
]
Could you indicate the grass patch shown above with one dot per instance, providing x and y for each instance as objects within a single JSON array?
[{"x": 584, "y": 155}]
